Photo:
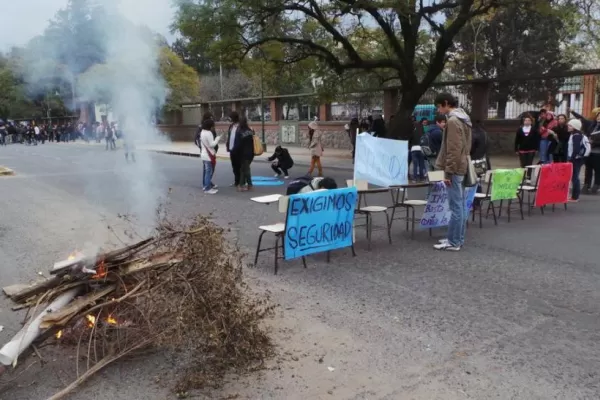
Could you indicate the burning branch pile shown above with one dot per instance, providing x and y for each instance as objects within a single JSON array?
[{"x": 181, "y": 289}]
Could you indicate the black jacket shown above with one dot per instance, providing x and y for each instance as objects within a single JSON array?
[
  {"x": 529, "y": 142},
  {"x": 479, "y": 143},
  {"x": 282, "y": 155},
  {"x": 245, "y": 148},
  {"x": 435, "y": 138}
]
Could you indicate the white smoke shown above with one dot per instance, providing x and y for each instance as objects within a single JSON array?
[{"x": 116, "y": 61}]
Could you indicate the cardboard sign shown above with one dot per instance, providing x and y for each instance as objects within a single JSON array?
[
  {"x": 437, "y": 211},
  {"x": 505, "y": 183},
  {"x": 553, "y": 186},
  {"x": 319, "y": 221},
  {"x": 382, "y": 162}
]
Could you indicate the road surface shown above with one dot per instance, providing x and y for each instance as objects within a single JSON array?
[{"x": 515, "y": 315}]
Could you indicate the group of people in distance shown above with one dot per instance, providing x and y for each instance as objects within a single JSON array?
[{"x": 559, "y": 139}]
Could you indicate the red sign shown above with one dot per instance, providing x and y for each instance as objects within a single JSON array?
[{"x": 553, "y": 186}]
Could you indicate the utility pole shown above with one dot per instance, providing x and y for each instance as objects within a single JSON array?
[{"x": 262, "y": 110}]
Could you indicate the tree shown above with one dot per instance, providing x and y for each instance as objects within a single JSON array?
[
  {"x": 322, "y": 31},
  {"x": 506, "y": 45},
  {"x": 182, "y": 80}
]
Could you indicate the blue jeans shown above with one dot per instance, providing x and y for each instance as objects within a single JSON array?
[
  {"x": 419, "y": 167},
  {"x": 544, "y": 144},
  {"x": 458, "y": 219},
  {"x": 207, "y": 175},
  {"x": 576, "y": 190}
]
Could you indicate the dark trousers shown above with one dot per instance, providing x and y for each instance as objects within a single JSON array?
[
  {"x": 526, "y": 159},
  {"x": 278, "y": 170},
  {"x": 575, "y": 181},
  {"x": 236, "y": 165},
  {"x": 245, "y": 173},
  {"x": 592, "y": 170}
]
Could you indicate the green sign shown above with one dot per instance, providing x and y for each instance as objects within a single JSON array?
[{"x": 505, "y": 183}]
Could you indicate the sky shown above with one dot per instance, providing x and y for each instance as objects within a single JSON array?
[{"x": 25, "y": 19}]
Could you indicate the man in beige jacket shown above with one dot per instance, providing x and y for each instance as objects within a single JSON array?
[{"x": 452, "y": 159}]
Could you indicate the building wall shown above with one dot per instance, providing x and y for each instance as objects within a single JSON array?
[{"x": 500, "y": 132}]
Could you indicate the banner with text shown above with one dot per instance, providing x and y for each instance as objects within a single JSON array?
[
  {"x": 319, "y": 221},
  {"x": 382, "y": 162},
  {"x": 553, "y": 186},
  {"x": 505, "y": 183},
  {"x": 437, "y": 211}
]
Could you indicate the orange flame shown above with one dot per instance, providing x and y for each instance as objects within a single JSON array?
[
  {"x": 91, "y": 320},
  {"x": 100, "y": 271},
  {"x": 59, "y": 334},
  {"x": 111, "y": 321}
]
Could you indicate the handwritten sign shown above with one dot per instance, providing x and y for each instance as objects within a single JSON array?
[
  {"x": 505, "y": 183},
  {"x": 382, "y": 162},
  {"x": 319, "y": 221},
  {"x": 437, "y": 210},
  {"x": 553, "y": 186}
]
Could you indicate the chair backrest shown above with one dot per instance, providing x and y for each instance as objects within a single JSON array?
[
  {"x": 283, "y": 204},
  {"x": 360, "y": 184},
  {"x": 435, "y": 176},
  {"x": 535, "y": 175},
  {"x": 488, "y": 177}
]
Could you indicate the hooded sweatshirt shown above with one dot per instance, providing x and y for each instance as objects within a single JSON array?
[{"x": 456, "y": 144}]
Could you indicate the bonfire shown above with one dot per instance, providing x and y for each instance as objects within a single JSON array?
[{"x": 180, "y": 289}]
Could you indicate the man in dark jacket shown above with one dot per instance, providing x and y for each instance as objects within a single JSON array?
[
  {"x": 233, "y": 147},
  {"x": 281, "y": 162}
]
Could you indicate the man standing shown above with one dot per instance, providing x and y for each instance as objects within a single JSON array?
[
  {"x": 452, "y": 159},
  {"x": 233, "y": 147}
]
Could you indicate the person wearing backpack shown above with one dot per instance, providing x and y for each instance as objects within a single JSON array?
[
  {"x": 578, "y": 149},
  {"x": 246, "y": 152},
  {"x": 416, "y": 152},
  {"x": 307, "y": 184}
]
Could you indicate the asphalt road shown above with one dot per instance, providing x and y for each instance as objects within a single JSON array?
[{"x": 515, "y": 315}]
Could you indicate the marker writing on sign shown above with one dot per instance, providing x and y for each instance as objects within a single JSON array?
[
  {"x": 384, "y": 164},
  {"x": 301, "y": 205},
  {"x": 313, "y": 236}
]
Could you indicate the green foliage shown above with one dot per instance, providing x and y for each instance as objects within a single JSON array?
[
  {"x": 522, "y": 39},
  {"x": 181, "y": 79}
]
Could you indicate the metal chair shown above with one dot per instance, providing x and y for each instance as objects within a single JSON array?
[{"x": 363, "y": 189}]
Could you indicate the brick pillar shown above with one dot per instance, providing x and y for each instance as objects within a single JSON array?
[
  {"x": 481, "y": 101},
  {"x": 275, "y": 109},
  {"x": 325, "y": 112},
  {"x": 590, "y": 83},
  {"x": 390, "y": 103}
]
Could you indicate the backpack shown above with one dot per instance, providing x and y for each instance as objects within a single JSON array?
[
  {"x": 424, "y": 142},
  {"x": 257, "y": 144},
  {"x": 298, "y": 184}
]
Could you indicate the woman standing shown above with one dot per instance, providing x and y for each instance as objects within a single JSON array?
[
  {"x": 546, "y": 128},
  {"x": 562, "y": 133},
  {"x": 316, "y": 148},
  {"x": 527, "y": 141},
  {"x": 208, "y": 154},
  {"x": 246, "y": 154}
]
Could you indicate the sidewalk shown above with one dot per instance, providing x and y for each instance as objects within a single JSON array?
[{"x": 332, "y": 158}]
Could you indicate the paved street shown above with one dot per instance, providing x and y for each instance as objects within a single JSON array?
[{"x": 515, "y": 315}]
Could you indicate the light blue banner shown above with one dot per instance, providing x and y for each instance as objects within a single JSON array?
[
  {"x": 319, "y": 221},
  {"x": 382, "y": 162},
  {"x": 437, "y": 210}
]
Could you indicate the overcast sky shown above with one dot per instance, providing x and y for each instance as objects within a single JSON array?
[{"x": 21, "y": 20}]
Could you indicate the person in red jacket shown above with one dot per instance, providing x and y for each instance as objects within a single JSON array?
[{"x": 546, "y": 133}]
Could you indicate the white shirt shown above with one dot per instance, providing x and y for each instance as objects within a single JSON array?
[
  {"x": 232, "y": 138},
  {"x": 207, "y": 145},
  {"x": 36, "y": 130}
]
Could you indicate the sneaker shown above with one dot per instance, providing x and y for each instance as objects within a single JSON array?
[
  {"x": 276, "y": 176},
  {"x": 213, "y": 186},
  {"x": 211, "y": 191},
  {"x": 287, "y": 177},
  {"x": 446, "y": 246},
  {"x": 442, "y": 241},
  {"x": 571, "y": 200}
]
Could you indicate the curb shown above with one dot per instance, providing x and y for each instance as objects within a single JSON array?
[
  {"x": 6, "y": 171},
  {"x": 186, "y": 154}
]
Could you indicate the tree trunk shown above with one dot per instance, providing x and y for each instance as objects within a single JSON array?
[{"x": 402, "y": 126}]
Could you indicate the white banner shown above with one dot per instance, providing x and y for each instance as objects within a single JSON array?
[{"x": 382, "y": 162}]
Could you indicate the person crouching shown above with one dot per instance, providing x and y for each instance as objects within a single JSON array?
[{"x": 281, "y": 162}]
